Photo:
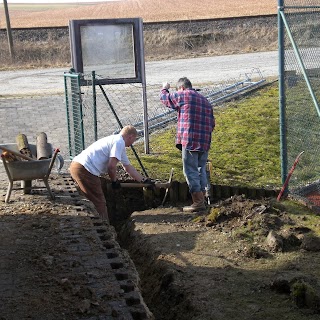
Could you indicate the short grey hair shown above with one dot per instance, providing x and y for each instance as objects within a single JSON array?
[{"x": 184, "y": 82}]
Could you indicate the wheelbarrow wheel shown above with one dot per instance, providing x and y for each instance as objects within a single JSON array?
[{"x": 26, "y": 185}]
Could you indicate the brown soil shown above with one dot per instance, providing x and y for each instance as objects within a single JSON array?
[
  {"x": 58, "y": 260},
  {"x": 148, "y": 10},
  {"x": 216, "y": 264},
  {"x": 221, "y": 266}
]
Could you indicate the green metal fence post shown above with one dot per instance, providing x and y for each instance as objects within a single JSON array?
[
  {"x": 94, "y": 102},
  {"x": 282, "y": 100},
  {"x": 67, "y": 111}
]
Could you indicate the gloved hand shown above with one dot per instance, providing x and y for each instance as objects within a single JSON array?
[
  {"x": 115, "y": 185},
  {"x": 166, "y": 85},
  {"x": 148, "y": 180}
]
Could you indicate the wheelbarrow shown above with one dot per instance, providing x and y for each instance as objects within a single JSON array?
[{"x": 28, "y": 170}]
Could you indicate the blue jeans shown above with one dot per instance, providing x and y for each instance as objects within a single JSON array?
[{"x": 194, "y": 169}]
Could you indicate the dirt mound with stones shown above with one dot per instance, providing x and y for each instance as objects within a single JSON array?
[{"x": 242, "y": 259}]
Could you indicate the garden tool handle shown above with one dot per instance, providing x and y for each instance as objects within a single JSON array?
[
  {"x": 17, "y": 154},
  {"x": 53, "y": 159}
]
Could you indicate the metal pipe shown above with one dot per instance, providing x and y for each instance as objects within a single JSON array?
[
  {"x": 161, "y": 115},
  {"x": 94, "y": 102},
  {"x": 235, "y": 92},
  {"x": 252, "y": 84},
  {"x": 224, "y": 89},
  {"x": 282, "y": 97},
  {"x": 144, "y": 91}
]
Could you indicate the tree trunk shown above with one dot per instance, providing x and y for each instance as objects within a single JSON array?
[{"x": 23, "y": 145}]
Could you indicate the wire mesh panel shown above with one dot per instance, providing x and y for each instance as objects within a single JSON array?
[
  {"x": 74, "y": 113},
  {"x": 95, "y": 111},
  {"x": 301, "y": 66}
]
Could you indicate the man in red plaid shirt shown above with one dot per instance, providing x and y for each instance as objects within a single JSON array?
[{"x": 194, "y": 129}]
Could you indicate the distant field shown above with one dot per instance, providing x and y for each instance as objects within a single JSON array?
[
  {"x": 46, "y": 15},
  {"x": 30, "y": 8}
]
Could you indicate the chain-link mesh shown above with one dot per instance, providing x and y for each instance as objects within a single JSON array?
[
  {"x": 302, "y": 79},
  {"x": 74, "y": 114},
  {"x": 104, "y": 109},
  {"x": 101, "y": 110}
]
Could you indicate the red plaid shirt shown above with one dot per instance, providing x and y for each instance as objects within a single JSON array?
[{"x": 195, "y": 118}]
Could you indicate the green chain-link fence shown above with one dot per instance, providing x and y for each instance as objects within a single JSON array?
[
  {"x": 95, "y": 111},
  {"x": 299, "y": 49}
]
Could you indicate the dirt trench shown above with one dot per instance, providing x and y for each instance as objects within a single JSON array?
[
  {"x": 60, "y": 262},
  {"x": 217, "y": 264},
  {"x": 158, "y": 282}
]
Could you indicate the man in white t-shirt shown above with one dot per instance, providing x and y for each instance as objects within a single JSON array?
[{"x": 102, "y": 157}]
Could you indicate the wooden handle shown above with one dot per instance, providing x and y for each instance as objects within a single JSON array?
[
  {"x": 17, "y": 154},
  {"x": 143, "y": 185},
  {"x": 167, "y": 189}
]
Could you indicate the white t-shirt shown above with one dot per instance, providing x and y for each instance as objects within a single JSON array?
[{"x": 95, "y": 158}]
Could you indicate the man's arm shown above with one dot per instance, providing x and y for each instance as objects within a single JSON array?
[
  {"x": 112, "y": 168},
  {"x": 133, "y": 172},
  {"x": 166, "y": 98}
]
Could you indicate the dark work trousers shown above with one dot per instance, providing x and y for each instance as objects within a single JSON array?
[{"x": 90, "y": 185}]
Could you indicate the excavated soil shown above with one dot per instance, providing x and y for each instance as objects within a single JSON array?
[
  {"x": 241, "y": 259},
  {"x": 59, "y": 260}
]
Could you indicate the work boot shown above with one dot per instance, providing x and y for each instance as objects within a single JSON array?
[{"x": 198, "y": 203}]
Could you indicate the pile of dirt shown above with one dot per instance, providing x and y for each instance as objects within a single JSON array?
[{"x": 247, "y": 259}]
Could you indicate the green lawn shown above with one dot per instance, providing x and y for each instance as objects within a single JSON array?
[{"x": 245, "y": 148}]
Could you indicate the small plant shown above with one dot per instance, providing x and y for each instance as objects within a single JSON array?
[
  {"x": 304, "y": 295},
  {"x": 213, "y": 215}
]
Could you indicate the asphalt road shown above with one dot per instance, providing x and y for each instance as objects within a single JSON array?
[{"x": 198, "y": 70}]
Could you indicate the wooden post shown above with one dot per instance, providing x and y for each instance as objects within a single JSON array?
[
  {"x": 183, "y": 191},
  {"x": 227, "y": 192},
  {"x": 9, "y": 33},
  {"x": 148, "y": 196},
  {"x": 23, "y": 145},
  {"x": 174, "y": 192}
]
